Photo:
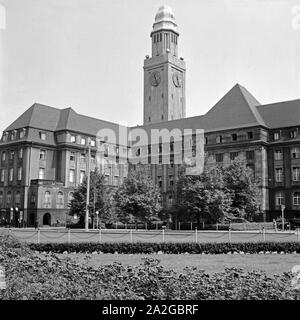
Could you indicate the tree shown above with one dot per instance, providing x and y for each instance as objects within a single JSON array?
[
  {"x": 97, "y": 196},
  {"x": 244, "y": 188},
  {"x": 203, "y": 197},
  {"x": 138, "y": 198}
]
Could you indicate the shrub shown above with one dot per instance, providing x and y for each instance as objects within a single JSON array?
[
  {"x": 168, "y": 247},
  {"x": 46, "y": 276}
]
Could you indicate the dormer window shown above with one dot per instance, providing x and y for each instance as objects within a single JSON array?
[
  {"x": 276, "y": 136},
  {"x": 22, "y": 133},
  {"x": 83, "y": 141},
  {"x": 293, "y": 134},
  {"x": 13, "y": 135},
  {"x": 43, "y": 136},
  {"x": 4, "y": 137},
  {"x": 234, "y": 137},
  {"x": 73, "y": 139},
  {"x": 250, "y": 135},
  {"x": 219, "y": 139}
]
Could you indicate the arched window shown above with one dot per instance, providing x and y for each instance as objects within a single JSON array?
[
  {"x": 60, "y": 200},
  {"x": 18, "y": 199},
  {"x": 47, "y": 200},
  {"x": 296, "y": 199},
  {"x": 279, "y": 198}
]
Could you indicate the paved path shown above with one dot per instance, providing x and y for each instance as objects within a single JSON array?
[{"x": 114, "y": 235}]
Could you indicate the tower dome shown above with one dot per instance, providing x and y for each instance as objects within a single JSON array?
[{"x": 165, "y": 20}]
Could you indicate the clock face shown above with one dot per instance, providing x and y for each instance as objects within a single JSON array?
[
  {"x": 155, "y": 78},
  {"x": 177, "y": 79}
]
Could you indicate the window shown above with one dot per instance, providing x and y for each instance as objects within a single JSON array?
[
  {"x": 20, "y": 153},
  {"x": 93, "y": 159},
  {"x": 219, "y": 139},
  {"x": 160, "y": 147},
  {"x": 42, "y": 173},
  {"x": 4, "y": 137},
  {"x": 171, "y": 181},
  {"x": 1, "y": 198},
  {"x": 32, "y": 199},
  {"x": 250, "y": 155},
  {"x": 172, "y": 146},
  {"x": 296, "y": 173},
  {"x": 19, "y": 173},
  {"x": 219, "y": 157},
  {"x": 73, "y": 139},
  {"x": 72, "y": 156},
  {"x": 72, "y": 176},
  {"x": 3, "y": 156},
  {"x": 138, "y": 152},
  {"x": 295, "y": 153},
  {"x": 82, "y": 157},
  {"x": 8, "y": 198},
  {"x": 81, "y": 177},
  {"x": 149, "y": 148},
  {"x": 116, "y": 180},
  {"x": 71, "y": 196},
  {"x": 83, "y": 141},
  {"x": 47, "y": 199},
  {"x": 250, "y": 135},
  {"x": 18, "y": 199},
  {"x": 22, "y": 133},
  {"x": 279, "y": 198},
  {"x": 60, "y": 200},
  {"x": 276, "y": 136},
  {"x": 42, "y": 154},
  {"x": 2, "y": 175},
  {"x": 12, "y": 155},
  {"x": 234, "y": 137},
  {"x": 149, "y": 119},
  {"x": 160, "y": 182},
  {"x": 296, "y": 199},
  {"x": 278, "y": 174},
  {"x": 233, "y": 155},
  {"x": 278, "y": 154},
  {"x": 13, "y": 135},
  {"x": 11, "y": 174},
  {"x": 106, "y": 150},
  {"x": 93, "y": 143},
  {"x": 293, "y": 134},
  {"x": 43, "y": 136},
  {"x": 206, "y": 140}
]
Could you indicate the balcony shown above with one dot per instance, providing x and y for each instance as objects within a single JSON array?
[{"x": 41, "y": 182}]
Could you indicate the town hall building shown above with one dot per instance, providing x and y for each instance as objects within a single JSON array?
[{"x": 44, "y": 152}]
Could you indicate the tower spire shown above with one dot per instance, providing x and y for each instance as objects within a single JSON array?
[{"x": 165, "y": 32}]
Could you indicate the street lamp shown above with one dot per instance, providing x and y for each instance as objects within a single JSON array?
[
  {"x": 97, "y": 223},
  {"x": 282, "y": 216},
  {"x": 88, "y": 187}
]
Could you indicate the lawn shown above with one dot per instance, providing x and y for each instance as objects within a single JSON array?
[{"x": 270, "y": 263}]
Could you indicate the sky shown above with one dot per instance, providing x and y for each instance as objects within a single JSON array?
[{"x": 88, "y": 54}]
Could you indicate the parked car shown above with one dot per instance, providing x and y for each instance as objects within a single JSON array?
[
  {"x": 295, "y": 223},
  {"x": 239, "y": 220}
]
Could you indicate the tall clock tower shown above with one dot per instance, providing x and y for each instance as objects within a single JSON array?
[{"x": 164, "y": 73}]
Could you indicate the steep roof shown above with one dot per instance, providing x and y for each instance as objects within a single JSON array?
[
  {"x": 281, "y": 114},
  {"x": 37, "y": 116},
  {"x": 236, "y": 108},
  {"x": 53, "y": 119}
]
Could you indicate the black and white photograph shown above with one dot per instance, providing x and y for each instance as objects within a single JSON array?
[{"x": 149, "y": 154}]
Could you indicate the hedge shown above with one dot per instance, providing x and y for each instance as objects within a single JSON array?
[{"x": 168, "y": 247}]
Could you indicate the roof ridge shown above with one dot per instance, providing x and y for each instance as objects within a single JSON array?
[{"x": 286, "y": 101}]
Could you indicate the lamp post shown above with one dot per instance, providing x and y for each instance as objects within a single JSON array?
[
  {"x": 88, "y": 187},
  {"x": 11, "y": 216},
  {"x": 97, "y": 221},
  {"x": 282, "y": 216}
]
